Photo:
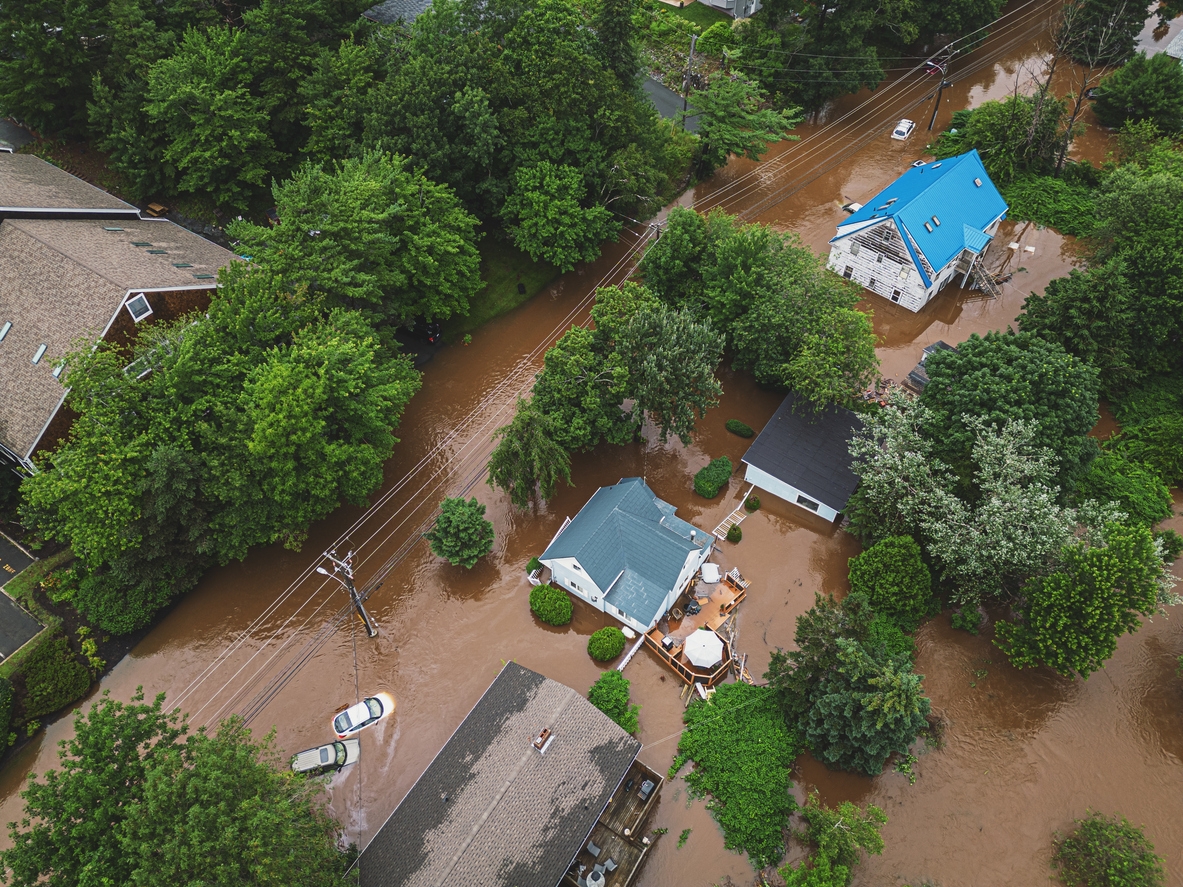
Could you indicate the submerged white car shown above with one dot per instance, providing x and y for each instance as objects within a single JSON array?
[
  {"x": 333, "y": 756},
  {"x": 903, "y": 129},
  {"x": 368, "y": 711}
]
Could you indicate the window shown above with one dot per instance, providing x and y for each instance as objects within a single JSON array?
[
  {"x": 936, "y": 221},
  {"x": 928, "y": 227},
  {"x": 138, "y": 307},
  {"x": 577, "y": 567},
  {"x": 105, "y": 228},
  {"x": 4, "y": 329},
  {"x": 57, "y": 370},
  {"x": 204, "y": 276},
  {"x": 39, "y": 354},
  {"x": 807, "y": 503},
  {"x": 157, "y": 252},
  {"x": 854, "y": 248},
  {"x": 871, "y": 283},
  {"x": 849, "y": 271},
  {"x": 182, "y": 265},
  {"x": 140, "y": 243},
  {"x": 895, "y": 296},
  {"x": 903, "y": 272}
]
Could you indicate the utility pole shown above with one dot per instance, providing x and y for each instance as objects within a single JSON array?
[
  {"x": 686, "y": 81},
  {"x": 344, "y": 567},
  {"x": 937, "y": 106}
]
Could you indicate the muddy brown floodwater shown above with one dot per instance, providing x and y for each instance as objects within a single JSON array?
[{"x": 1024, "y": 752}]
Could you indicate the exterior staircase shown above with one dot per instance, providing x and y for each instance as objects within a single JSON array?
[
  {"x": 735, "y": 518},
  {"x": 985, "y": 282}
]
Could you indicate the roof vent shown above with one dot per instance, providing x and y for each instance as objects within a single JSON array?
[
  {"x": 928, "y": 227},
  {"x": 978, "y": 182},
  {"x": 692, "y": 535},
  {"x": 543, "y": 740},
  {"x": 936, "y": 166}
]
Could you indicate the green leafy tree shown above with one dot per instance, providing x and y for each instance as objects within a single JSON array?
[
  {"x": 610, "y": 694},
  {"x": 616, "y": 32},
  {"x": 1145, "y": 88},
  {"x": 1012, "y": 376},
  {"x": 671, "y": 361},
  {"x": 140, "y": 801},
  {"x": 1157, "y": 443},
  {"x": 617, "y": 305},
  {"x": 461, "y": 534},
  {"x": 549, "y": 215},
  {"x": 733, "y": 122},
  {"x": 1112, "y": 31},
  {"x": 1107, "y": 852},
  {"x": 1137, "y": 490},
  {"x": 841, "y": 833},
  {"x": 371, "y": 232},
  {"x": 894, "y": 578},
  {"x": 526, "y": 461},
  {"x": 1072, "y": 618},
  {"x": 335, "y": 97},
  {"x": 673, "y": 264},
  {"x": 1018, "y": 134},
  {"x": 218, "y": 132},
  {"x": 817, "y": 871},
  {"x": 837, "y": 361}
]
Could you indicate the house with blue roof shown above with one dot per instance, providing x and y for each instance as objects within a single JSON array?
[
  {"x": 927, "y": 227},
  {"x": 627, "y": 554}
]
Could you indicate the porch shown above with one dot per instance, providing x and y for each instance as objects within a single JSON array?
[
  {"x": 619, "y": 841},
  {"x": 717, "y": 603}
]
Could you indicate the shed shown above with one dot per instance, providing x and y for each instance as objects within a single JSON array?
[
  {"x": 918, "y": 378},
  {"x": 804, "y": 457}
]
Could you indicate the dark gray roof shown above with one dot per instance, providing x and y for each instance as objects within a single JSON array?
[
  {"x": 390, "y": 11},
  {"x": 809, "y": 451},
  {"x": 512, "y": 817},
  {"x": 625, "y": 531},
  {"x": 918, "y": 378}
]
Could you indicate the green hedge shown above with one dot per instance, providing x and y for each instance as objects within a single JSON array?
[
  {"x": 54, "y": 677},
  {"x": 606, "y": 644},
  {"x": 552, "y": 605},
  {"x": 7, "y": 704},
  {"x": 610, "y": 694},
  {"x": 713, "y": 478},
  {"x": 737, "y": 427}
]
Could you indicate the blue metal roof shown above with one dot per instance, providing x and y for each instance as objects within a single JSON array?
[
  {"x": 629, "y": 541},
  {"x": 940, "y": 205}
]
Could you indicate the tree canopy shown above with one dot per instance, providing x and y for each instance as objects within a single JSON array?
[
  {"x": 1145, "y": 88},
  {"x": 734, "y": 122},
  {"x": 461, "y": 535},
  {"x": 139, "y": 800}
]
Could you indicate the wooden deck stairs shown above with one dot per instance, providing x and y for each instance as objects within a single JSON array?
[
  {"x": 984, "y": 281},
  {"x": 735, "y": 518}
]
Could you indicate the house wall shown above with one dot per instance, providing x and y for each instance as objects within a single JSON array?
[
  {"x": 166, "y": 305},
  {"x": 566, "y": 573},
  {"x": 736, "y": 8},
  {"x": 782, "y": 490},
  {"x": 859, "y": 258}
]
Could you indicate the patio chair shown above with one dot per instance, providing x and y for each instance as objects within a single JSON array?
[
  {"x": 598, "y": 869},
  {"x": 610, "y": 865},
  {"x": 593, "y": 850}
]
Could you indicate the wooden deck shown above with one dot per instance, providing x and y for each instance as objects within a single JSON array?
[
  {"x": 724, "y": 597},
  {"x": 620, "y": 834}
]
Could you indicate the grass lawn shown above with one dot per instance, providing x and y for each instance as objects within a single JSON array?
[
  {"x": 503, "y": 267},
  {"x": 702, "y": 15}
]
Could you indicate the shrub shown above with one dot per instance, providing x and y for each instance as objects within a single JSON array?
[
  {"x": 552, "y": 605},
  {"x": 713, "y": 478},
  {"x": 752, "y": 503},
  {"x": 7, "y": 704},
  {"x": 716, "y": 38},
  {"x": 968, "y": 619},
  {"x": 883, "y": 633},
  {"x": 53, "y": 678},
  {"x": 737, "y": 427},
  {"x": 1141, "y": 493},
  {"x": 1172, "y": 544},
  {"x": 895, "y": 580},
  {"x": 535, "y": 564},
  {"x": 1107, "y": 852},
  {"x": 610, "y": 695},
  {"x": 461, "y": 534},
  {"x": 1069, "y": 208},
  {"x": 734, "y": 533},
  {"x": 606, "y": 644}
]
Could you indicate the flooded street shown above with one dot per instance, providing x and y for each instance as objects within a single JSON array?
[{"x": 1024, "y": 753}]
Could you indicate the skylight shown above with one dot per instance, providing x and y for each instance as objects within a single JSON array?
[
  {"x": 204, "y": 276},
  {"x": 39, "y": 354},
  {"x": 140, "y": 243},
  {"x": 928, "y": 227},
  {"x": 182, "y": 265},
  {"x": 4, "y": 329},
  {"x": 936, "y": 221},
  {"x": 978, "y": 182},
  {"x": 105, "y": 228},
  {"x": 138, "y": 307}
]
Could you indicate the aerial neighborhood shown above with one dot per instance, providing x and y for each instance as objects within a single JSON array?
[{"x": 591, "y": 443}]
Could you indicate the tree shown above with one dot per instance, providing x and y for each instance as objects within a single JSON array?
[
  {"x": 671, "y": 362},
  {"x": 1072, "y": 618},
  {"x": 836, "y": 362},
  {"x": 840, "y": 833},
  {"x": 1137, "y": 489},
  {"x": 1111, "y": 26},
  {"x": 895, "y": 580},
  {"x": 461, "y": 534},
  {"x": 816, "y": 871},
  {"x": 610, "y": 695},
  {"x": 1006, "y": 376},
  {"x": 370, "y": 232},
  {"x": 1144, "y": 89},
  {"x": 1107, "y": 852},
  {"x": 547, "y": 215},
  {"x": 613, "y": 24},
  {"x": 1018, "y": 134},
  {"x": 140, "y": 801},
  {"x": 673, "y": 264},
  {"x": 731, "y": 121},
  {"x": 526, "y": 461}
]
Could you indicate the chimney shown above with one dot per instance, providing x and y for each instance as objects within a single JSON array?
[{"x": 543, "y": 740}]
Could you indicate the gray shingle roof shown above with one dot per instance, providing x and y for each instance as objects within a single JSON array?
[
  {"x": 512, "y": 817},
  {"x": 390, "y": 11},
  {"x": 809, "y": 451},
  {"x": 29, "y": 182},
  {"x": 626, "y": 529}
]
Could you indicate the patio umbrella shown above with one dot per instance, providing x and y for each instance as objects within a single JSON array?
[{"x": 704, "y": 648}]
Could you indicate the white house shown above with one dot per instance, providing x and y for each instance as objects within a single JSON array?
[
  {"x": 627, "y": 554},
  {"x": 921, "y": 231},
  {"x": 804, "y": 458}
]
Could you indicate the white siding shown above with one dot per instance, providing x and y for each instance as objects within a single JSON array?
[
  {"x": 567, "y": 574},
  {"x": 782, "y": 490},
  {"x": 880, "y": 275}
]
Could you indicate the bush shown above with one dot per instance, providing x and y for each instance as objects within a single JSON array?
[
  {"x": 1114, "y": 478},
  {"x": 53, "y": 678},
  {"x": 968, "y": 619},
  {"x": 552, "y": 605},
  {"x": 894, "y": 579},
  {"x": 737, "y": 427},
  {"x": 610, "y": 695},
  {"x": 1172, "y": 545},
  {"x": 7, "y": 704},
  {"x": 1105, "y": 852},
  {"x": 461, "y": 534},
  {"x": 884, "y": 634},
  {"x": 717, "y": 38},
  {"x": 752, "y": 503},
  {"x": 1069, "y": 208},
  {"x": 713, "y": 478},
  {"x": 606, "y": 644},
  {"x": 1159, "y": 443},
  {"x": 535, "y": 564},
  {"x": 734, "y": 533}
]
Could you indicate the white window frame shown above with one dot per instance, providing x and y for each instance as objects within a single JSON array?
[{"x": 130, "y": 311}]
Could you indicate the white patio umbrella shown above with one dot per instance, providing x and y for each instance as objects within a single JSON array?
[{"x": 704, "y": 648}]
